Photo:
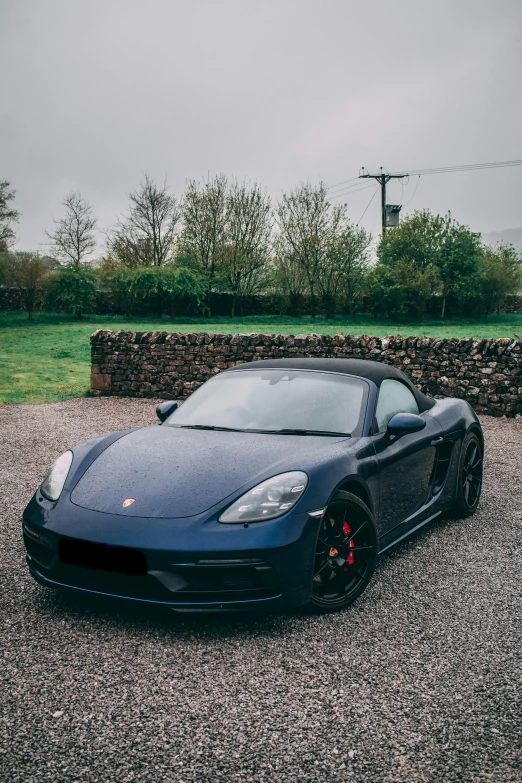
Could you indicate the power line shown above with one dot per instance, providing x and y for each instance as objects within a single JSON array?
[
  {"x": 440, "y": 170},
  {"x": 346, "y": 188},
  {"x": 414, "y": 191},
  {"x": 349, "y": 192},
  {"x": 383, "y": 177},
  {"x": 344, "y": 182},
  {"x": 367, "y": 205},
  {"x": 464, "y": 167}
]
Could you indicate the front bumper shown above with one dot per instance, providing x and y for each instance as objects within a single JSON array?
[{"x": 204, "y": 566}]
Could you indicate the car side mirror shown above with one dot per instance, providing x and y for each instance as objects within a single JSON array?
[
  {"x": 403, "y": 424},
  {"x": 164, "y": 409}
]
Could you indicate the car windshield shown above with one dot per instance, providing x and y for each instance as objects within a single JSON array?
[{"x": 277, "y": 400}]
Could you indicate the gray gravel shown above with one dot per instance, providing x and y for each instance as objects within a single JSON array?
[{"x": 419, "y": 681}]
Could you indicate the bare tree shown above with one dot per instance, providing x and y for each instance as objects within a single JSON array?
[
  {"x": 8, "y": 216},
  {"x": 129, "y": 249},
  {"x": 74, "y": 236},
  {"x": 27, "y": 271},
  {"x": 344, "y": 272},
  {"x": 148, "y": 233},
  {"x": 248, "y": 221},
  {"x": 288, "y": 275},
  {"x": 203, "y": 239},
  {"x": 307, "y": 225}
]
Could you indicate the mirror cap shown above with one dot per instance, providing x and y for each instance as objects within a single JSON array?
[
  {"x": 164, "y": 409},
  {"x": 403, "y": 423}
]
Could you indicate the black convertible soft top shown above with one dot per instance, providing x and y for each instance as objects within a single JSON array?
[{"x": 373, "y": 371}]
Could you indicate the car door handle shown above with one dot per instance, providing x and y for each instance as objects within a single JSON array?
[{"x": 436, "y": 441}]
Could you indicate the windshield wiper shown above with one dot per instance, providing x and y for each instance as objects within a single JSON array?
[
  {"x": 206, "y": 427},
  {"x": 289, "y": 431}
]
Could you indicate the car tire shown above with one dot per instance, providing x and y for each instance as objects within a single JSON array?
[
  {"x": 469, "y": 477},
  {"x": 345, "y": 555}
]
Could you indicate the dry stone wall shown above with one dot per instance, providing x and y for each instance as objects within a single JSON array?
[{"x": 170, "y": 365}]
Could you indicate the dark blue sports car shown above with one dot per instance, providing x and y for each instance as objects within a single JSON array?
[{"x": 276, "y": 484}]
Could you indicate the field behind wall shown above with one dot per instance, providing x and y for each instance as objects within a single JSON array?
[{"x": 48, "y": 359}]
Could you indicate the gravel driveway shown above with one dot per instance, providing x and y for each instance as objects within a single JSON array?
[{"x": 419, "y": 681}]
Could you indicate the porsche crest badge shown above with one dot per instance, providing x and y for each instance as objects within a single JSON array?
[
  {"x": 128, "y": 502},
  {"x": 334, "y": 552}
]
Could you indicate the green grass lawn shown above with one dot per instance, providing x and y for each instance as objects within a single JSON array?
[{"x": 49, "y": 359}]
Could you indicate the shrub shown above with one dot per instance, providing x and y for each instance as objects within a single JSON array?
[
  {"x": 165, "y": 289},
  {"x": 402, "y": 290},
  {"x": 72, "y": 288}
]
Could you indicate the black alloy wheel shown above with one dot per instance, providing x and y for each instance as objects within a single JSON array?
[
  {"x": 345, "y": 554},
  {"x": 470, "y": 476}
]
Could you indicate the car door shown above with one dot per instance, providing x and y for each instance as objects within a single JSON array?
[{"x": 406, "y": 464}]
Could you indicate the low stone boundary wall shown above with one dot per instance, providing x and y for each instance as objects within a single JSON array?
[{"x": 487, "y": 373}]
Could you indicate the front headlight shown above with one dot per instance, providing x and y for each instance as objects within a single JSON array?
[
  {"x": 270, "y": 499},
  {"x": 52, "y": 484}
]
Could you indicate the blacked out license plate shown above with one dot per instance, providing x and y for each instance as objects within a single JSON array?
[{"x": 118, "y": 559}]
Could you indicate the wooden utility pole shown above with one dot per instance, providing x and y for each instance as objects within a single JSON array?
[{"x": 382, "y": 178}]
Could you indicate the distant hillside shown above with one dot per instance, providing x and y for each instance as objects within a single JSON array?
[{"x": 513, "y": 236}]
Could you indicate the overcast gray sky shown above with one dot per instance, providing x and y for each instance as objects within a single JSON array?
[{"x": 96, "y": 93}]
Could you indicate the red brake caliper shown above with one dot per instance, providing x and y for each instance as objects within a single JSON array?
[{"x": 346, "y": 532}]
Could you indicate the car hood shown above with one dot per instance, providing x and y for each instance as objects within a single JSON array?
[{"x": 173, "y": 472}]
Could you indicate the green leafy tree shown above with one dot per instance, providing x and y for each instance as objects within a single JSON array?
[
  {"x": 458, "y": 265},
  {"x": 417, "y": 239},
  {"x": 4, "y": 256},
  {"x": 27, "y": 272},
  {"x": 8, "y": 216},
  {"x": 402, "y": 290},
  {"x": 501, "y": 275},
  {"x": 432, "y": 241},
  {"x": 72, "y": 288}
]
